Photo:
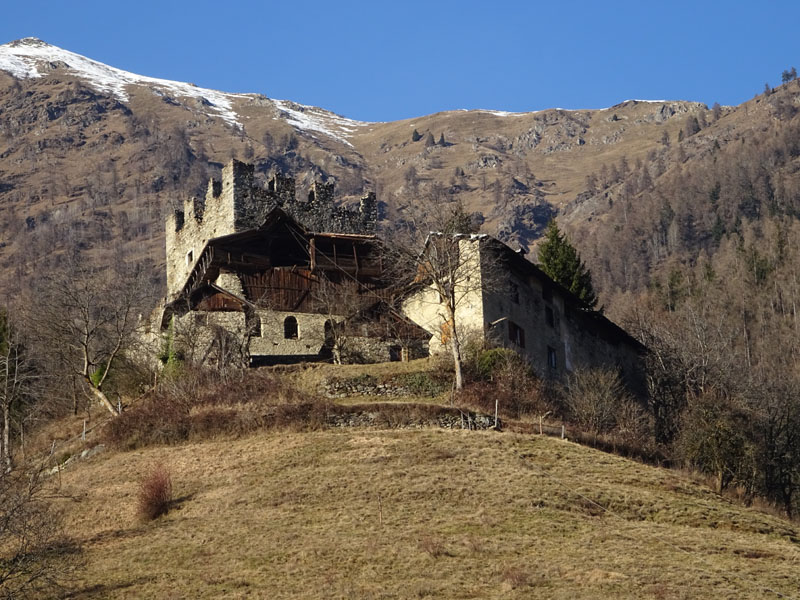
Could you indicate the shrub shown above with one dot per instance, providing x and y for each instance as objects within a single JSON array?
[
  {"x": 490, "y": 362},
  {"x": 423, "y": 383},
  {"x": 433, "y": 546},
  {"x": 155, "y": 494},
  {"x": 154, "y": 420},
  {"x": 596, "y": 399},
  {"x": 199, "y": 403},
  {"x": 516, "y": 577},
  {"x": 510, "y": 383},
  {"x": 37, "y": 560}
]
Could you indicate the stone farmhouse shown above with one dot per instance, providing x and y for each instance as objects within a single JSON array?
[
  {"x": 503, "y": 297},
  {"x": 257, "y": 276}
]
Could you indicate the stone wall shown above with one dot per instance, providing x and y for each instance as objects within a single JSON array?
[
  {"x": 557, "y": 336},
  {"x": 419, "y": 383},
  {"x": 201, "y": 336},
  {"x": 447, "y": 419},
  {"x": 362, "y": 349},
  {"x": 310, "y": 334}
]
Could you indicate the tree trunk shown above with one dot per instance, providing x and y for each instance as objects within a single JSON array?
[
  {"x": 103, "y": 399},
  {"x": 5, "y": 451},
  {"x": 456, "y": 346}
]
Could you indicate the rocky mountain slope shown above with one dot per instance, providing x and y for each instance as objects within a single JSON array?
[{"x": 91, "y": 157}]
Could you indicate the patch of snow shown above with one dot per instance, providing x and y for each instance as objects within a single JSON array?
[
  {"x": 312, "y": 118},
  {"x": 505, "y": 113},
  {"x": 24, "y": 58}
]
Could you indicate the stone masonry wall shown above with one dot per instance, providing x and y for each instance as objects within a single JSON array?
[{"x": 236, "y": 204}]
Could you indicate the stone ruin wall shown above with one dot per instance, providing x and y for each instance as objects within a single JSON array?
[{"x": 237, "y": 204}]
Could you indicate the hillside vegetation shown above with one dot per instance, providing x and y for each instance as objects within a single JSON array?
[{"x": 416, "y": 514}]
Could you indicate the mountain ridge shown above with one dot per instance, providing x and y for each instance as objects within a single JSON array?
[{"x": 80, "y": 168}]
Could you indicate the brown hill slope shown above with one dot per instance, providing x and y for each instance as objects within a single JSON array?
[{"x": 399, "y": 514}]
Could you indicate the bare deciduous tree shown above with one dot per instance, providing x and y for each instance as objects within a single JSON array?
[
  {"x": 84, "y": 319},
  {"x": 36, "y": 559},
  {"x": 595, "y": 398},
  {"x": 433, "y": 251},
  {"x": 17, "y": 380}
]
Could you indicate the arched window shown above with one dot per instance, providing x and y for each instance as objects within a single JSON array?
[{"x": 290, "y": 328}]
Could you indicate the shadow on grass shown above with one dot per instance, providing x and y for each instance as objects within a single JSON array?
[{"x": 101, "y": 590}]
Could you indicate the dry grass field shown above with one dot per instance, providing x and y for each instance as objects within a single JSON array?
[{"x": 430, "y": 513}]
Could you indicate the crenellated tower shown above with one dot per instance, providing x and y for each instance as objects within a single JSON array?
[{"x": 236, "y": 204}]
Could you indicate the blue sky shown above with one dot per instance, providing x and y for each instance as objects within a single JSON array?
[{"x": 381, "y": 61}]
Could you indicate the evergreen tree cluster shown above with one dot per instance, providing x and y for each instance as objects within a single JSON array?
[
  {"x": 429, "y": 139},
  {"x": 561, "y": 262}
]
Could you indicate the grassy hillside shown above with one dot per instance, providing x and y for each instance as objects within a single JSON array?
[{"x": 416, "y": 514}]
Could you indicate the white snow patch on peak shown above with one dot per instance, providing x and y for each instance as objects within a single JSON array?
[
  {"x": 31, "y": 57},
  {"x": 312, "y": 118},
  {"x": 505, "y": 113}
]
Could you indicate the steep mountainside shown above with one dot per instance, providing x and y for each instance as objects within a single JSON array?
[{"x": 92, "y": 156}]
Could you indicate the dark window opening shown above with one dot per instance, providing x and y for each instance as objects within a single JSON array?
[
  {"x": 254, "y": 325},
  {"x": 514, "y": 292},
  {"x": 395, "y": 353},
  {"x": 548, "y": 316},
  {"x": 547, "y": 293},
  {"x": 290, "y": 328},
  {"x": 552, "y": 360},
  {"x": 516, "y": 334}
]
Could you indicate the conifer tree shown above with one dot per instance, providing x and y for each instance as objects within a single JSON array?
[{"x": 561, "y": 261}]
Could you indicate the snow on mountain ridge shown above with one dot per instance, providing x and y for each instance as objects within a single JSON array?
[
  {"x": 316, "y": 119},
  {"x": 31, "y": 58},
  {"x": 23, "y": 59}
]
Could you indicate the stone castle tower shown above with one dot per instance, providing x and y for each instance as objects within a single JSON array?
[{"x": 236, "y": 204}]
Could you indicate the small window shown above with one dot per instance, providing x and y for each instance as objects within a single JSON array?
[
  {"x": 552, "y": 360},
  {"x": 513, "y": 292},
  {"x": 547, "y": 293},
  {"x": 395, "y": 353},
  {"x": 290, "y": 328},
  {"x": 516, "y": 334},
  {"x": 548, "y": 316},
  {"x": 255, "y": 326},
  {"x": 190, "y": 258}
]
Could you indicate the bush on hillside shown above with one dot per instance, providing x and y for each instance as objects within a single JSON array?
[
  {"x": 505, "y": 378},
  {"x": 597, "y": 401},
  {"x": 155, "y": 494},
  {"x": 199, "y": 404}
]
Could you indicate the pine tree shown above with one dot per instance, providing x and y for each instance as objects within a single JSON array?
[{"x": 561, "y": 262}]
